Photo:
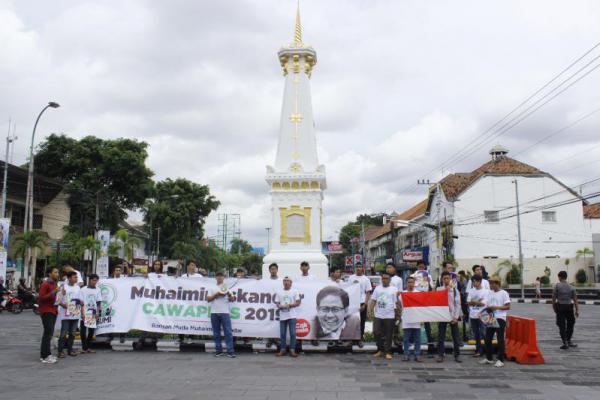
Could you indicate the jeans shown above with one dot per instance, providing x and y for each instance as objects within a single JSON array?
[
  {"x": 383, "y": 329},
  {"x": 48, "y": 321},
  {"x": 284, "y": 326},
  {"x": 565, "y": 319},
  {"x": 86, "y": 335},
  {"x": 477, "y": 328},
  {"x": 411, "y": 334},
  {"x": 363, "y": 320},
  {"x": 427, "y": 326},
  {"x": 217, "y": 321},
  {"x": 489, "y": 335},
  {"x": 67, "y": 327},
  {"x": 442, "y": 338}
]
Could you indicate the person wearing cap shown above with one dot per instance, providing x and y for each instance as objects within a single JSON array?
[
  {"x": 219, "y": 316},
  {"x": 498, "y": 302},
  {"x": 365, "y": 295},
  {"x": 287, "y": 300},
  {"x": 305, "y": 276}
]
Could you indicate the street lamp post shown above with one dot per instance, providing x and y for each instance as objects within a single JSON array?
[{"x": 28, "y": 225}]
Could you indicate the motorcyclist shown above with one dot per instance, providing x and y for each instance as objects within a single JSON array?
[{"x": 24, "y": 293}]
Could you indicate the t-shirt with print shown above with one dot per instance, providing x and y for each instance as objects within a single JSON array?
[
  {"x": 220, "y": 305},
  {"x": 90, "y": 298},
  {"x": 423, "y": 282},
  {"x": 286, "y": 297},
  {"x": 72, "y": 300},
  {"x": 499, "y": 298},
  {"x": 365, "y": 285},
  {"x": 474, "y": 294},
  {"x": 385, "y": 301},
  {"x": 409, "y": 325}
]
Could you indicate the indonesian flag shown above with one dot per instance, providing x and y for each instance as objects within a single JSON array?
[{"x": 425, "y": 306}]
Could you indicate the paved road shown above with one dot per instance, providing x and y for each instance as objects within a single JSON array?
[{"x": 573, "y": 374}]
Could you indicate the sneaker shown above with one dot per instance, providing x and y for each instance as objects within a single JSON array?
[
  {"x": 485, "y": 361},
  {"x": 218, "y": 354},
  {"x": 293, "y": 354},
  {"x": 418, "y": 359},
  {"x": 48, "y": 360},
  {"x": 564, "y": 346},
  {"x": 53, "y": 357},
  {"x": 281, "y": 354},
  {"x": 499, "y": 364},
  {"x": 61, "y": 355},
  {"x": 378, "y": 354},
  {"x": 230, "y": 355},
  {"x": 571, "y": 344},
  {"x": 388, "y": 356}
]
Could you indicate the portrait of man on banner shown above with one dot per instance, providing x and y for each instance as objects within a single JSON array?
[{"x": 334, "y": 321}]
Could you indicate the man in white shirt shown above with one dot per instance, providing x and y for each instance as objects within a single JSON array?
[
  {"x": 91, "y": 308},
  {"x": 192, "y": 271},
  {"x": 117, "y": 272},
  {"x": 287, "y": 300},
  {"x": 477, "y": 300},
  {"x": 395, "y": 280},
  {"x": 69, "y": 302},
  {"x": 68, "y": 268},
  {"x": 305, "y": 276},
  {"x": 455, "y": 313},
  {"x": 498, "y": 301},
  {"x": 383, "y": 305},
  {"x": 273, "y": 270},
  {"x": 484, "y": 282},
  {"x": 336, "y": 276},
  {"x": 219, "y": 300},
  {"x": 411, "y": 331},
  {"x": 365, "y": 295},
  {"x": 424, "y": 283}
]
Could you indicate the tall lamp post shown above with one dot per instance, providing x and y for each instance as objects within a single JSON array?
[{"x": 28, "y": 225}]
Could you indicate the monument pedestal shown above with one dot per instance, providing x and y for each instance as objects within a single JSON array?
[{"x": 289, "y": 263}]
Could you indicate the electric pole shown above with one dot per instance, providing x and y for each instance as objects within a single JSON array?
[
  {"x": 519, "y": 237},
  {"x": 9, "y": 140}
]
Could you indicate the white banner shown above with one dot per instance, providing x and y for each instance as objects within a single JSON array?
[
  {"x": 179, "y": 306},
  {"x": 102, "y": 262},
  {"x": 4, "y": 225}
]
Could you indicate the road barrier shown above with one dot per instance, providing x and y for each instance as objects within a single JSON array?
[{"x": 521, "y": 341}]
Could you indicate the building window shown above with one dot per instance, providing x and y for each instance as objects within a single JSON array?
[
  {"x": 548, "y": 217},
  {"x": 17, "y": 217},
  {"x": 492, "y": 216},
  {"x": 38, "y": 221}
]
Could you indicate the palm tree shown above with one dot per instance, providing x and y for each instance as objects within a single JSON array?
[
  {"x": 129, "y": 243},
  {"x": 87, "y": 243},
  {"x": 584, "y": 252},
  {"x": 29, "y": 243}
]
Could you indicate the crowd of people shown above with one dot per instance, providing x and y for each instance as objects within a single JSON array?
[{"x": 479, "y": 302}]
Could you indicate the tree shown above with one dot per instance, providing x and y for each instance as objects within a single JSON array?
[
  {"x": 581, "y": 276},
  {"x": 371, "y": 219},
  {"x": 128, "y": 243},
  {"x": 87, "y": 244},
  {"x": 179, "y": 209},
  {"x": 27, "y": 245},
  {"x": 110, "y": 173},
  {"x": 240, "y": 246},
  {"x": 584, "y": 252}
]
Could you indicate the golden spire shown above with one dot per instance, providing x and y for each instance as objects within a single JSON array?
[{"x": 298, "y": 30}]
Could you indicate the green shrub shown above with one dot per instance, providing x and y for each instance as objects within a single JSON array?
[
  {"x": 545, "y": 280},
  {"x": 581, "y": 276},
  {"x": 513, "y": 276}
]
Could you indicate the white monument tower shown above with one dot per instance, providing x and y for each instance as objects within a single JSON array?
[{"x": 296, "y": 181}]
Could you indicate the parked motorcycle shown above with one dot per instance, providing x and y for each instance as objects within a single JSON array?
[{"x": 13, "y": 305}]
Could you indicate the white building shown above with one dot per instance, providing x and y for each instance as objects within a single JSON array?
[
  {"x": 591, "y": 214},
  {"x": 475, "y": 215},
  {"x": 297, "y": 180}
]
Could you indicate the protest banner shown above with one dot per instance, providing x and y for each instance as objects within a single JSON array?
[{"x": 179, "y": 306}]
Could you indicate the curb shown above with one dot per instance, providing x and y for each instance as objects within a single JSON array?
[{"x": 546, "y": 301}]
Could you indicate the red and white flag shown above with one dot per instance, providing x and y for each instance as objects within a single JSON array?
[{"x": 425, "y": 306}]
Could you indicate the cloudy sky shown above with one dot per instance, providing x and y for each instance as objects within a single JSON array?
[{"x": 400, "y": 87}]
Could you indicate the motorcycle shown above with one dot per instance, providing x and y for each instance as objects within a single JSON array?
[
  {"x": 12, "y": 304},
  {"x": 30, "y": 302}
]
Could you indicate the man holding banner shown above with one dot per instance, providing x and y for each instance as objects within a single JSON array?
[
  {"x": 287, "y": 299},
  {"x": 219, "y": 299}
]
